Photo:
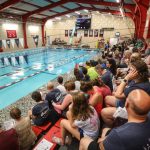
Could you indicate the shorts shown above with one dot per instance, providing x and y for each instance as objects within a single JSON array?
[
  {"x": 120, "y": 103},
  {"x": 93, "y": 145}
]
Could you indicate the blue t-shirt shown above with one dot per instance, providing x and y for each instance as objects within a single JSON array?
[
  {"x": 107, "y": 79},
  {"x": 42, "y": 112},
  {"x": 130, "y": 136},
  {"x": 132, "y": 86},
  {"x": 54, "y": 96}
]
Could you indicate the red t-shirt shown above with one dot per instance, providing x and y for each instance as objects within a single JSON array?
[{"x": 9, "y": 140}]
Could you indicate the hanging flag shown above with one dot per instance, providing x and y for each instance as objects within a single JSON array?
[
  {"x": 21, "y": 42},
  {"x": 26, "y": 58},
  {"x": 13, "y": 60},
  {"x": 17, "y": 42},
  {"x": 36, "y": 39},
  {"x": 11, "y": 33},
  {"x": 12, "y": 42},
  {"x": 0, "y": 43},
  {"x": 9, "y": 59},
  {"x": 2, "y": 59},
  {"x": 17, "y": 59},
  {"x": 6, "y": 61},
  {"x": 4, "y": 43},
  {"x": 8, "y": 42},
  {"x": 21, "y": 58}
]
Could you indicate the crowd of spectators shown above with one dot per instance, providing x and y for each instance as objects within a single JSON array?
[{"x": 118, "y": 80}]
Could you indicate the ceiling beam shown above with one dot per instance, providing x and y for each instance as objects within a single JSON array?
[
  {"x": 93, "y": 9},
  {"x": 19, "y": 9},
  {"x": 48, "y": 7},
  {"x": 8, "y": 4},
  {"x": 127, "y": 6},
  {"x": 24, "y": 2}
]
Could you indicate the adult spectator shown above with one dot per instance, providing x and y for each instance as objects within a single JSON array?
[
  {"x": 53, "y": 96},
  {"x": 136, "y": 129},
  {"x": 137, "y": 78},
  {"x": 41, "y": 113},
  {"x": 8, "y": 139},
  {"x": 63, "y": 107},
  {"x": 23, "y": 128},
  {"x": 86, "y": 77},
  {"x": 96, "y": 96},
  {"x": 106, "y": 76},
  {"x": 61, "y": 86},
  {"x": 92, "y": 72},
  {"x": 111, "y": 65}
]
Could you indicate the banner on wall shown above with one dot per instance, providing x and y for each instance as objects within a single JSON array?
[
  {"x": 26, "y": 58},
  {"x": 66, "y": 33},
  {"x": 17, "y": 42},
  {"x": 36, "y": 39},
  {"x": 70, "y": 32},
  {"x": 21, "y": 42},
  {"x": 2, "y": 59},
  {"x": 17, "y": 60},
  {"x": 13, "y": 60},
  {"x": 96, "y": 33},
  {"x": 85, "y": 33},
  {"x": 75, "y": 33},
  {"x": 4, "y": 43},
  {"x": 11, "y": 34},
  {"x": 91, "y": 33},
  {"x": 12, "y": 42},
  {"x": 21, "y": 60},
  {"x": 0, "y": 43},
  {"x": 8, "y": 42},
  {"x": 6, "y": 61},
  {"x": 101, "y": 33},
  {"x": 10, "y": 61}
]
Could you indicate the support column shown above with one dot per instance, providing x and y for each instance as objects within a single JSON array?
[
  {"x": 24, "y": 33},
  {"x": 43, "y": 37}
]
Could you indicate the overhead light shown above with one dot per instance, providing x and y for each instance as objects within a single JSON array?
[
  {"x": 86, "y": 10},
  {"x": 118, "y": 1},
  {"x": 33, "y": 28},
  {"x": 121, "y": 12},
  {"x": 68, "y": 16},
  {"x": 58, "y": 18},
  {"x": 77, "y": 12},
  {"x": 10, "y": 26}
]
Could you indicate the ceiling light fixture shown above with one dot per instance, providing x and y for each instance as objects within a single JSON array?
[
  {"x": 118, "y": 1},
  {"x": 77, "y": 12},
  {"x": 68, "y": 16},
  {"x": 121, "y": 12},
  {"x": 86, "y": 10},
  {"x": 58, "y": 18}
]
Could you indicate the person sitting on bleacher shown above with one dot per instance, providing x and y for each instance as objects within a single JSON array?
[
  {"x": 134, "y": 135},
  {"x": 63, "y": 107},
  {"x": 137, "y": 78},
  {"x": 53, "y": 96},
  {"x": 41, "y": 113},
  {"x": 23, "y": 128},
  {"x": 61, "y": 86},
  {"x": 82, "y": 120},
  {"x": 8, "y": 139}
]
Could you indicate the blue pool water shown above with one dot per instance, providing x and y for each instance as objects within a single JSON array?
[{"x": 16, "y": 81}]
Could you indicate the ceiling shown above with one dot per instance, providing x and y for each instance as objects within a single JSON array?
[{"x": 43, "y": 10}]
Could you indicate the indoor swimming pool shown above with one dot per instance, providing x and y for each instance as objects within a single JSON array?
[{"x": 26, "y": 71}]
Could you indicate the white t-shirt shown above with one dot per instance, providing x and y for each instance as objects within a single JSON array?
[
  {"x": 90, "y": 126},
  {"x": 62, "y": 89}
]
